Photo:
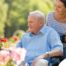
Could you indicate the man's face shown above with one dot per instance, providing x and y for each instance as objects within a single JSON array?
[{"x": 34, "y": 24}]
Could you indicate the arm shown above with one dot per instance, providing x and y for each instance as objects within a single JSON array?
[
  {"x": 55, "y": 43},
  {"x": 56, "y": 47}
]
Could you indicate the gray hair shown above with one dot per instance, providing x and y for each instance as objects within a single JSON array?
[{"x": 37, "y": 14}]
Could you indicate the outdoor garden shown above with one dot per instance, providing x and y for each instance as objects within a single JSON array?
[{"x": 13, "y": 22}]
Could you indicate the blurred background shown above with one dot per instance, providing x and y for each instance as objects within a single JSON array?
[{"x": 13, "y": 14}]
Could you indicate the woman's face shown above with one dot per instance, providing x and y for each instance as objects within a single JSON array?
[{"x": 59, "y": 7}]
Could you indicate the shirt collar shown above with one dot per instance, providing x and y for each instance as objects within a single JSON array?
[{"x": 43, "y": 29}]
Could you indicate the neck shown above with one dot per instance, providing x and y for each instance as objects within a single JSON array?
[{"x": 36, "y": 32}]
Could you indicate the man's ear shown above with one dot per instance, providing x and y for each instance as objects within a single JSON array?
[{"x": 41, "y": 24}]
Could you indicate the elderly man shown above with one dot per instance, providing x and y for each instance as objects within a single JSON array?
[{"x": 41, "y": 41}]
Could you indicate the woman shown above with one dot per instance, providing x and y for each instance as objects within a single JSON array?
[{"x": 57, "y": 20}]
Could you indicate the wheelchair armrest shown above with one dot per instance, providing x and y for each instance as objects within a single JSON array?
[
  {"x": 59, "y": 57},
  {"x": 56, "y": 60}
]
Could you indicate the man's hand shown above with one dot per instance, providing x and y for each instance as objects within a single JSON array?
[
  {"x": 34, "y": 62},
  {"x": 26, "y": 64},
  {"x": 39, "y": 57}
]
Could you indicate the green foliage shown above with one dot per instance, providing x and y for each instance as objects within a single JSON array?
[
  {"x": 0, "y": 45},
  {"x": 17, "y": 16},
  {"x": 42, "y": 5},
  {"x": 3, "y": 14},
  {"x": 10, "y": 63},
  {"x": 14, "y": 13}
]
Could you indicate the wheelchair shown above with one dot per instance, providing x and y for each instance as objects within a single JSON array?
[{"x": 58, "y": 59}]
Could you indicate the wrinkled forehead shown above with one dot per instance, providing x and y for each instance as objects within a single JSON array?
[
  {"x": 32, "y": 19},
  {"x": 35, "y": 18}
]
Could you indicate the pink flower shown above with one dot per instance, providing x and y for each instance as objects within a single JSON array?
[
  {"x": 1, "y": 58},
  {"x": 4, "y": 56},
  {"x": 15, "y": 55},
  {"x": 7, "y": 57}
]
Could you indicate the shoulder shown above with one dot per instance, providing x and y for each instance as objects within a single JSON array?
[
  {"x": 49, "y": 16},
  {"x": 50, "y": 13},
  {"x": 53, "y": 34},
  {"x": 26, "y": 34},
  {"x": 48, "y": 29},
  {"x": 51, "y": 30}
]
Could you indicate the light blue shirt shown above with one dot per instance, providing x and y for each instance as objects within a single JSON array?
[{"x": 44, "y": 41}]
